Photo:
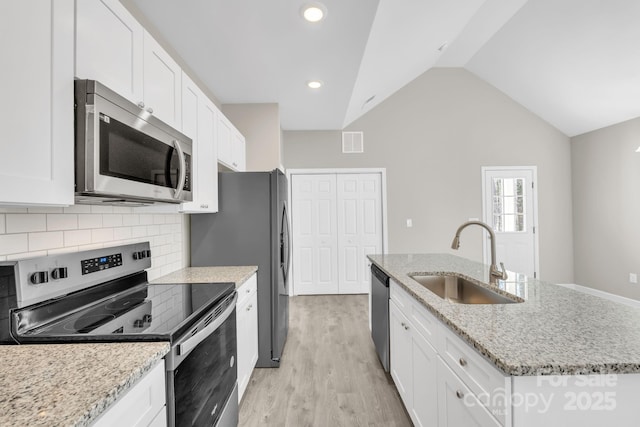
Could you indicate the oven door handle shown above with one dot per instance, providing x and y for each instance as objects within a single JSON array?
[
  {"x": 183, "y": 169},
  {"x": 192, "y": 342}
]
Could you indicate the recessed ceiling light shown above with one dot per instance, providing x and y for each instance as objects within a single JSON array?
[
  {"x": 314, "y": 12},
  {"x": 314, "y": 84},
  {"x": 638, "y": 150}
]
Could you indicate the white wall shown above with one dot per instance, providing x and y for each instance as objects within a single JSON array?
[
  {"x": 433, "y": 136},
  {"x": 36, "y": 232},
  {"x": 606, "y": 208}
]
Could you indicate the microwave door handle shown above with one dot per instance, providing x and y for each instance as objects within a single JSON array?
[
  {"x": 183, "y": 169},
  {"x": 191, "y": 343}
]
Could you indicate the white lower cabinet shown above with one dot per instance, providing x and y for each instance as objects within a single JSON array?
[
  {"x": 247, "y": 332},
  {"x": 144, "y": 405},
  {"x": 457, "y": 405},
  {"x": 413, "y": 369},
  {"x": 441, "y": 380}
]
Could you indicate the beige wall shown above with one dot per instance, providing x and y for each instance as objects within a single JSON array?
[
  {"x": 606, "y": 203},
  {"x": 433, "y": 136},
  {"x": 260, "y": 125}
]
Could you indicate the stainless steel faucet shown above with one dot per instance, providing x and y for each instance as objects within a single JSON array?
[{"x": 493, "y": 270}]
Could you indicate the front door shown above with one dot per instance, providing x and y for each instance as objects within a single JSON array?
[{"x": 510, "y": 208}]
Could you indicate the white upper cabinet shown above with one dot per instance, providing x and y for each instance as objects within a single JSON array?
[
  {"x": 231, "y": 145},
  {"x": 238, "y": 151},
  {"x": 36, "y": 115},
  {"x": 199, "y": 117},
  {"x": 224, "y": 140},
  {"x": 162, "y": 83},
  {"x": 113, "y": 48},
  {"x": 109, "y": 47}
]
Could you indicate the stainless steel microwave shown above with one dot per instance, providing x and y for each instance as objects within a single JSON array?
[{"x": 124, "y": 155}]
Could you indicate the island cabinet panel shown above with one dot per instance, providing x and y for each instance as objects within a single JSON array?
[
  {"x": 441, "y": 380},
  {"x": 457, "y": 405},
  {"x": 413, "y": 368},
  {"x": 144, "y": 405},
  {"x": 36, "y": 116},
  {"x": 484, "y": 380},
  {"x": 576, "y": 400}
]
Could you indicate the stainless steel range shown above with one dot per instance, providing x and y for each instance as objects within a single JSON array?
[{"x": 103, "y": 296}]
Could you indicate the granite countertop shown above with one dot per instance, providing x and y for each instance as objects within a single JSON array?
[
  {"x": 69, "y": 384},
  {"x": 555, "y": 331},
  {"x": 230, "y": 274}
]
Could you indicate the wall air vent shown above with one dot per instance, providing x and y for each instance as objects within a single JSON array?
[{"x": 352, "y": 142}]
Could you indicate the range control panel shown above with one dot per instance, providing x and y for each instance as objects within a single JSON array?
[
  {"x": 39, "y": 279},
  {"x": 100, "y": 263}
]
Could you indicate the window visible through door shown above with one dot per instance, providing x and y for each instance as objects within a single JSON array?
[
  {"x": 509, "y": 201},
  {"x": 509, "y": 206}
]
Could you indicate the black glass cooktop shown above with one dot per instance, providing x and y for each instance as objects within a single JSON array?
[{"x": 127, "y": 309}]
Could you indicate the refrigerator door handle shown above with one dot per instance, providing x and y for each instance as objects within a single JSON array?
[{"x": 285, "y": 252}]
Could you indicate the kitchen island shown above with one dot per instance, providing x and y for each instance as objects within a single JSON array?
[
  {"x": 70, "y": 384},
  {"x": 579, "y": 352}
]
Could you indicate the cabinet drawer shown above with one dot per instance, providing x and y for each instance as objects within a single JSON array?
[
  {"x": 424, "y": 322},
  {"x": 486, "y": 382},
  {"x": 457, "y": 404},
  {"x": 402, "y": 299},
  {"x": 247, "y": 288}
]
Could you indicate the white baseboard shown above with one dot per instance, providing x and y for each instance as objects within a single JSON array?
[{"x": 602, "y": 294}]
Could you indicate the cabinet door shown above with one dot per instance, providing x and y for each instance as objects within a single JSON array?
[
  {"x": 242, "y": 328},
  {"x": 109, "y": 47},
  {"x": 140, "y": 405},
  {"x": 238, "y": 151},
  {"x": 425, "y": 385},
  {"x": 198, "y": 123},
  {"x": 207, "y": 161},
  {"x": 225, "y": 129},
  {"x": 162, "y": 83},
  {"x": 253, "y": 332},
  {"x": 247, "y": 337},
  {"x": 457, "y": 405},
  {"x": 36, "y": 115},
  {"x": 400, "y": 354}
]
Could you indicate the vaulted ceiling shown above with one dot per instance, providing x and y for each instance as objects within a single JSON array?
[{"x": 574, "y": 63}]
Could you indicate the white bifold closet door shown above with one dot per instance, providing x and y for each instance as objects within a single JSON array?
[{"x": 336, "y": 222}]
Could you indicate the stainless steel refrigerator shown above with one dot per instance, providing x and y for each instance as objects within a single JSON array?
[{"x": 252, "y": 228}]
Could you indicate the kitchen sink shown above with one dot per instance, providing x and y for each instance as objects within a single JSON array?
[{"x": 459, "y": 290}]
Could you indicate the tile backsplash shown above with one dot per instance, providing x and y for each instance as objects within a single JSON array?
[{"x": 31, "y": 232}]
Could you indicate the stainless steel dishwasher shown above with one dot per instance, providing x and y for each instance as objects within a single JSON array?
[{"x": 380, "y": 314}]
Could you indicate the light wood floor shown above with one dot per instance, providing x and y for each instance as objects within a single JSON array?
[{"x": 330, "y": 374}]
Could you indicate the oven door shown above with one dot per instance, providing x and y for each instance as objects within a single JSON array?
[
  {"x": 202, "y": 373},
  {"x": 127, "y": 156}
]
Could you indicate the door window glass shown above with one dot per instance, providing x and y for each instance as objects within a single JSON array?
[{"x": 509, "y": 215}]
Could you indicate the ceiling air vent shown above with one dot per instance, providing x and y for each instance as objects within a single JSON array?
[{"x": 352, "y": 142}]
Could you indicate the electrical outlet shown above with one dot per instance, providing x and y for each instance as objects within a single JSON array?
[
  {"x": 409, "y": 223},
  {"x": 633, "y": 278}
]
